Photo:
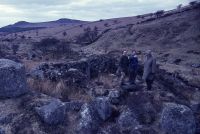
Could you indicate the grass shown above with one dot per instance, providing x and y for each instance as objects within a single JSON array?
[{"x": 58, "y": 89}]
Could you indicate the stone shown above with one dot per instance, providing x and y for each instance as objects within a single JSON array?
[
  {"x": 114, "y": 96},
  {"x": 103, "y": 107},
  {"x": 93, "y": 114},
  {"x": 111, "y": 129},
  {"x": 177, "y": 119},
  {"x": 52, "y": 113},
  {"x": 6, "y": 118},
  {"x": 73, "y": 106},
  {"x": 75, "y": 77},
  {"x": 2, "y": 131},
  {"x": 13, "y": 79},
  {"x": 128, "y": 120},
  {"x": 130, "y": 87},
  {"x": 89, "y": 121},
  {"x": 101, "y": 92}
]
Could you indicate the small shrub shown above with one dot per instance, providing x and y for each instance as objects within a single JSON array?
[
  {"x": 15, "y": 49},
  {"x": 64, "y": 33},
  {"x": 115, "y": 21},
  {"x": 23, "y": 37},
  {"x": 89, "y": 36},
  {"x": 159, "y": 13},
  {"x": 179, "y": 6},
  {"x": 192, "y": 3},
  {"x": 106, "y": 25}
]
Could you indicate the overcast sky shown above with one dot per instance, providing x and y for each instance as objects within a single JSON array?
[{"x": 12, "y": 11}]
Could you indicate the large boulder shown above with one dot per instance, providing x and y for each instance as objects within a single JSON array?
[
  {"x": 13, "y": 79},
  {"x": 177, "y": 119},
  {"x": 89, "y": 121},
  {"x": 52, "y": 113},
  {"x": 128, "y": 120},
  {"x": 103, "y": 107},
  {"x": 93, "y": 114}
]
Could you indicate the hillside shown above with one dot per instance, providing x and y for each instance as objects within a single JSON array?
[
  {"x": 63, "y": 79},
  {"x": 27, "y": 26}
]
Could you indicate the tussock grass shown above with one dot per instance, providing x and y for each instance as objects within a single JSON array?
[{"x": 58, "y": 89}]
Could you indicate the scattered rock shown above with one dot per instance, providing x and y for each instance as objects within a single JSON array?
[
  {"x": 111, "y": 129},
  {"x": 52, "y": 113},
  {"x": 195, "y": 65},
  {"x": 103, "y": 107},
  {"x": 6, "y": 119},
  {"x": 73, "y": 106},
  {"x": 177, "y": 119},
  {"x": 75, "y": 77},
  {"x": 89, "y": 121},
  {"x": 128, "y": 120},
  {"x": 93, "y": 114},
  {"x": 114, "y": 96},
  {"x": 101, "y": 92},
  {"x": 13, "y": 79},
  {"x": 2, "y": 131},
  {"x": 130, "y": 87}
]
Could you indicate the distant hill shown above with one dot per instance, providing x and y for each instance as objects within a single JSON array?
[{"x": 26, "y": 26}]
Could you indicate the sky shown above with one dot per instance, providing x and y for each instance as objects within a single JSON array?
[{"x": 12, "y": 11}]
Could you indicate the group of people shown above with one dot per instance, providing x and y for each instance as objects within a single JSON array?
[{"x": 128, "y": 66}]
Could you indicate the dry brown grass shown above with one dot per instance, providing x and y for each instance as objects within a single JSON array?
[
  {"x": 57, "y": 89},
  {"x": 109, "y": 81}
]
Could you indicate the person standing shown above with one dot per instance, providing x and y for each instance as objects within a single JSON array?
[
  {"x": 123, "y": 67},
  {"x": 149, "y": 69},
  {"x": 133, "y": 67},
  {"x": 123, "y": 63}
]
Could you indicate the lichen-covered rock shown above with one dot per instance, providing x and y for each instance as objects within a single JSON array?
[
  {"x": 52, "y": 113},
  {"x": 103, "y": 107},
  {"x": 93, "y": 114},
  {"x": 89, "y": 121},
  {"x": 177, "y": 119},
  {"x": 13, "y": 79},
  {"x": 128, "y": 120}
]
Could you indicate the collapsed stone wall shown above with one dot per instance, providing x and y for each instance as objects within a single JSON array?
[{"x": 91, "y": 67}]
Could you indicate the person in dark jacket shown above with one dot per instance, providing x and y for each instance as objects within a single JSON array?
[
  {"x": 133, "y": 67},
  {"x": 123, "y": 63},
  {"x": 149, "y": 69}
]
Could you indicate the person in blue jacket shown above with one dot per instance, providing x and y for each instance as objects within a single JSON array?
[{"x": 133, "y": 67}]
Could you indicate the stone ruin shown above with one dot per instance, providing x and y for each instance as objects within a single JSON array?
[{"x": 172, "y": 107}]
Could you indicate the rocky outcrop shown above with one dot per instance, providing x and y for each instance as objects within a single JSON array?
[
  {"x": 52, "y": 113},
  {"x": 13, "y": 79},
  {"x": 177, "y": 119}
]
